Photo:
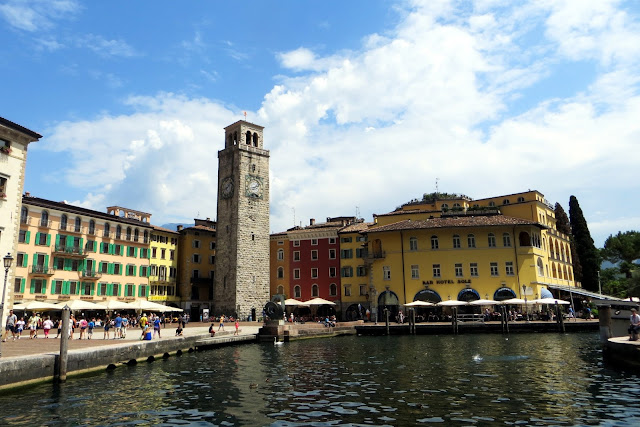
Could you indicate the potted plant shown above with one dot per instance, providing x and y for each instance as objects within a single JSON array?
[{"x": 5, "y": 149}]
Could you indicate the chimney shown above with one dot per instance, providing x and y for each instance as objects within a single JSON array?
[
  {"x": 312, "y": 221},
  {"x": 180, "y": 227},
  {"x": 208, "y": 219},
  {"x": 27, "y": 194}
]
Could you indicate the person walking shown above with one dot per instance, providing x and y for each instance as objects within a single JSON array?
[
  {"x": 106, "y": 326},
  {"x": 237, "y": 326},
  {"x": 83, "y": 327},
  {"x": 117, "y": 326},
  {"x": 46, "y": 326},
  {"x": 20, "y": 324},
  {"x": 143, "y": 325},
  {"x": 10, "y": 326},
  {"x": 90, "y": 326},
  {"x": 34, "y": 321},
  {"x": 221, "y": 323},
  {"x": 156, "y": 326}
]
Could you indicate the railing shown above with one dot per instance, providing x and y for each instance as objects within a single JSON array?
[
  {"x": 379, "y": 254},
  {"x": 42, "y": 269},
  {"x": 88, "y": 274},
  {"x": 69, "y": 250},
  {"x": 45, "y": 224},
  {"x": 109, "y": 235},
  {"x": 71, "y": 228},
  {"x": 25, "y": 220}
]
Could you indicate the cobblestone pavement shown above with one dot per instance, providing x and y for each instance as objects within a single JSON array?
[{"x": 25, "y": 346}]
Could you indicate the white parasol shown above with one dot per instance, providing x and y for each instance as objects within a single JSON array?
[{"x": 36, "y": 305}]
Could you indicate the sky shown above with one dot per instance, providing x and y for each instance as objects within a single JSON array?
[{"x": 366, "y": 104}]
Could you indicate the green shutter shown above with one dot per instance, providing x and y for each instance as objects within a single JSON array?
[
  {"x": 81, "y": 242},
  {"x": 65, "y": 287},
  {"x": 135, "y": 252},
  {"x": 48, "y": 239},
  {"x": 110, "y": 289},
  {"x": 44, "y": 286},
  {"x": 57, "y": 240},
  {"x": 111, "y": 248},
  {"x": 67, "y": 264},
  {"x": 135, "y": 267},
  {"x": 37, "y": 238},
  {"x": 25, "y": 260},
  {"x": 46, "y": 261},
  {"x": 110, "y": 268},
  {"x": 146, "y": 291},
  {"x": 22, "y": 283},
  {"x": 93, "y": 288},
  {"x": 33, "y": 286},
  {"x": 28, "y": 236},
  {"x": 101, "y": 248}
]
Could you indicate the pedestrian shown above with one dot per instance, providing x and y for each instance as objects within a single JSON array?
[
  {"x": 90, "y": 326},
  {"x": 143, "y": 325},
  {"x": 72, "y": 326},
  {"x": 83, "y": 327},
  {"x": 156, "y": 326},
  {"x": 34, "y": 320},
  {"x": 238, "y": 325},
  {"x": 10, "y": 326},
  {"x": 20, "y": 327},
  {"x": 634, "y": 325},
  {"x": 46, "y": 326},
  {"x": 212, "y": 331},
  {"x": 107, "y": 326},
  {"x": 125, "y": 324},
  {"x": 59, "y": 326},
  {"x": 221, "y": 323},
  {"x": 117, "y": 326}
]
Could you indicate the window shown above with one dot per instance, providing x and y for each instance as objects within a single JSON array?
[
  {"x": 332, "y": 254},
  {"x": 196, "y": 258},
  {"x": 314, "y": 273},
  {"x": 473, "y": 269},
  {"x": 505, "y": 202},
  {"x": 458, "y": 270},
  {"x": 86, "y": 288},
  {"x": 332, "y": 272},
  {"x": 38, "y": 286},
  {"x": 131, "y": 270},
  {"x": 413, "y": 244},
  {"x": 296, "y": 291},
  {"x": 363, "y": 290},
  {"x": 361, "y": 271},
  {"x": 212, "y": 245},
  {"x": 280, "y": 254},
  {"x": 436, "y": 270},
  {"x": 445, "y": 206},
  {"x": 492, "y": 240},
  {"x": 314, "y": 291},
  {"x": 540, "y": 267},
  {"x": 212, "y": 259},
  {"x": 56, "y": 287},
  {"x": 506, "y": 240},
  {"x": 117, "y": 268},
  {"x": 115, "y": 289},
  {"x": 509, "y": 268},
  {"x": 471, "y": 241},
  {"x": 107, "y": 230},
  {"x": 195, "y": 274},
  {"x": 314, "y": 254},
  {"x": 280, "y": 273},
  {"x": 196, "y": 244},
  {"x": 415, "y": 272},
  {"x": 345, "y": 240},
  {"x": 42, "y": 239},
  {"x": 346, "y": 253},
  {"x": 24, "y": 215},
  {"x": 144, "y": 253},
  {"x": 347, "y": 290},
  {"x": 118, "y": 232},
  {"x": 314, "y": 242},
  {"x": 74, "y": 287},
  {"x": 494, "y": 268},
  {"x": 90, "y": 246},
  {"x": 296, "y": 255},
  {"x": 172, "y": 254},
  {"x": 520, "y": 199},
  {"x": 163, "y": 253},
  {"x": 281, "y": 289},
  {"x": 296, "y": 243},
  {"x": 92, "y": 227},
  {"x": 386, "y": 273},
  {"x": 102, "y": 289},
  {"x": 128, "y": 233},
  {"x": 22, "y": 236},
  {"x": 296, "y": 273},
  {"x": 492, "y": 204},
  {"x": 332, "y": 240},
  {"x": 78, "y": 225},
  {"x": 131, "y": 251},
  {"x": 434, "y": 242},
  {"x": 21, "y": 260},
  {"x": 63, "y": 222},
  {"x": 456, "y": 241},
  {"x": 44, "y": 219},
  {"x": 333, "y": 290},
  {"x": 136, "y": 235},
  {"x": 347, "y": 271},
  {"x": 129, "y": 290},
  {"x": 17, "y": 285}
]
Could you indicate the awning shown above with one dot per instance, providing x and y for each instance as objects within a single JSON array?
[{"x": 580, "y": 291}]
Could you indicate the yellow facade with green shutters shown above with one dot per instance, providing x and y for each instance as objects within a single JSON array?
[
  {"x": 163, "y": 259},
  {"x": 461, "y": 249},
  {"x": 354, "y": 272}
]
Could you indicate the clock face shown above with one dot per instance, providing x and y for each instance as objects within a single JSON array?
[
  {"x": 254, "y": 186},
  {"x": 226, "y": 189}
]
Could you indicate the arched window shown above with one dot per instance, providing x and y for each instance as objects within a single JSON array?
[
  {"x": 230, "y": 139},
  {"x": 63, "y": 222},
  {"x": 492, "y": 204},
  {"x": 146, "y": 236},
  {"x": 506, "y": 240},
  {"x": 505, "y": 202},
  {"x": 314, "y": 291},
  {"x": 24, "y": 214},
  {"x": 471, "y": 240},
  {"x": 540, "y": 267},
  {"x": 280, "y": 289},
  {"x": 92, "y": 227},
  {"x": 557, "y": 250},
  {"x": 333, "y": 289},
  {"x": 107, "y": 229},
  {"x": 546, "y": 269},
  {"x": 280, "y": 254},
  {"x": 524, "y": 239},
  {"x": 78, "y": 224},
  {"x": 248, "y": 138},
  {"x": 570, "y": 274},
  {"x": 445, "y": 206},
  {"x": 118, "y": 232},
  {"x": 456, "y": 241},
  {"x": 413, "y": 244},
  {"x": 456, "y": 205},
  {"x": 280, "y": 273},
  {"x": 128, "y": 233},
  {"x": 520, "y": 199},
  {"x": 554, "y": 272},
  {"x": 136, "y": 234},
  {"x": 296, "y": 291},
  {"x": 491, "y": 238},
  {"x": 434, "y": 242},
  {"x": 255, "y": 139},
  {"x": 235, "y": 138},
  {"x": 564, "y": 273}
]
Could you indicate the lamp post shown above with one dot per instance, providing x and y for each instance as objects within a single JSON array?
[
  {"x": 8, "y": 260},
  {"x": 526, "y": 307}
]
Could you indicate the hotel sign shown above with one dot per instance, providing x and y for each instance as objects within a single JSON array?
[{"x": 447, "y": 282}]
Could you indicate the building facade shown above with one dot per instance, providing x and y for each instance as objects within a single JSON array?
[
  {"x": 163, "y": 272},
  {"x": 279, "y": 265},
  {"x": 67, "y": 252},
  {"x": 14, "y": 142},
  {"x": 242, "y": 260}
]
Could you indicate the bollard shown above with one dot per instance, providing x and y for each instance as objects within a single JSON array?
[
  {"x": 386, "y": 319},
  {"x": 413, "y": 321},
  {"x": 64, "y": 346}
]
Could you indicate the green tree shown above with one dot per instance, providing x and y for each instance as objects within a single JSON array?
[
  {"x": 614, "y": 283},
  {"x": 564, "y": 226},
  {"x": 587, "y": 253},
  {"x": 623, "y": 249}
]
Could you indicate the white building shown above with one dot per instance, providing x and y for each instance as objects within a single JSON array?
[{"x": 14, "y": 141}]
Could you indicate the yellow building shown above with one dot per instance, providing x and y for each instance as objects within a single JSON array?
[
  {"x": 459, "y": 248},
  {"x": 68, "y": 252},
  {"x": 196, "y": 266},
  {"x": 354, "y": 271},
  {"x": 164, "y": 266}
]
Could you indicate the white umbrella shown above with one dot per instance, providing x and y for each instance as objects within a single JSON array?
[
  {"x": 142, "y": 304},
  {"x": 294, "y": 302},
  {"x": 484, "y": 302},
  {"x": 319, "y": 301},
  {"x": 115, "y": 305},
  {"x": 419, "y": 304},
  {"x": 515, "y": 301},
  {"x": 550, "y": 301},
  {"x": 36, "y": 305},
  {"x": 452, "y": 303},
  {"x": 78, "y": 304}
]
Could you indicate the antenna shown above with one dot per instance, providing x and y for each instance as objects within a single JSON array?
[
  {"x": 245, "y": 116},
  {"x": 437, "y": 179},
  {"x": 357, "y": 212}
]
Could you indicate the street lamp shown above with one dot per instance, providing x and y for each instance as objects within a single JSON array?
[
  {"x": 526, "y": 307},
  {"x": 8, "y": 260}
]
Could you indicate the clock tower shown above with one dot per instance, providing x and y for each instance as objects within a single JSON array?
[{"x": 242, "y": 238}]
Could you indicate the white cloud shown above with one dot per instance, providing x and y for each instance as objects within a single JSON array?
[
  {"x": 105, "y": 47},
  {"x": 373, "y": 128},
  {"x": 37, "y": 15}
]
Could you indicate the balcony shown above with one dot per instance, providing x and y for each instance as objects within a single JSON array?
[
  {"x": 72, "y": 251},
  {"x": 42, "y": 270},
  {"x": 25, "y": 220},
  {"x": 44, "y": 224},
  {"x": 371, "y": 255},
  {"x": 71, "y": 228},
  {"x": 89, "y": 275}
]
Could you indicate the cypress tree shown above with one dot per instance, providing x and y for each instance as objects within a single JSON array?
[
  {"x": 563, "y": 226},
  {"x": 587, "y": 253}
]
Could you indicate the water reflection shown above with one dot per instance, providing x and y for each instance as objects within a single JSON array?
[{"x": 399, "y": 380}]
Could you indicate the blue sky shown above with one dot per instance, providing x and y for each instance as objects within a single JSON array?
[{"x": 364, "y": 103}]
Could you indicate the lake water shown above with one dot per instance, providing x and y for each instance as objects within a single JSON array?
[{"x": 524, "y": 379}]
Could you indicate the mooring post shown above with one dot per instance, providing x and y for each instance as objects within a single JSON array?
[
  {"x": 413, "y": 320},
  {"x": 64, "y": 345},
  {"x": 386, "y": 319},
  {"x": 560, "y": 314}
]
